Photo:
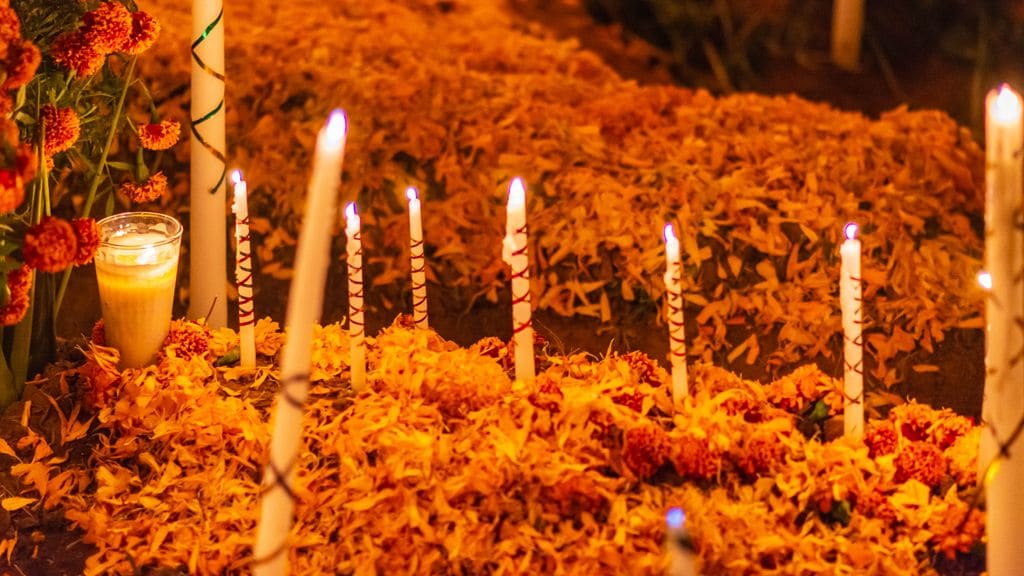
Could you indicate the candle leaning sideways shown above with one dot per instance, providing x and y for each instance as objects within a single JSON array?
[
  {"x": 853, "y": 342},
  {"x": 515, "y": 255},
  {"x": 243, "y": 273},
  {"x": 305, "y": 302}
]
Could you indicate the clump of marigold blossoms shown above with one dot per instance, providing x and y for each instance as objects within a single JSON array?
[
  {"x": 54, "y": 244},
  {"x": 105, "y": 30}
]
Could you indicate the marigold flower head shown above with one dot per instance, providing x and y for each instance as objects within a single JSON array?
[
  {"x": 191, "y": 338},
  {"x": 881, "y": 438},
  {"x": 913, "y": 420},
  {"x": 159, "y": 136},
  {"x": 23, "y": 58},
  {"x": 575, "y": 494},
  {"x": 548, "y": 395},
  {"x": 645, "y": 369},
  {"x": 19, "y": 282},
  {"x": 145, "y": 30},
  {"x": 12, "y": 190},
  {"x": 695, "y": 457},
  {"x": 27, "y": 162},
  {"x": 62, "y": 128},
  {"x": 760, "y": 454},
  {"x": 87, "y": 233},
  {"x": 634, "y": 401},
  {"x": 10, "y": 25},
  {"x": 107, "y": 27},
  {"x": 921, "y": 461},
  {"x": 99, "y": 333},
  {"x": 50, "y": 246},
  {"x": 153, "y": 188},
  {"x": 645, "y": 450},
  {"x": 875, "y": 504},
  {"x": 949, "y": 428},
  {"x": 75, "y": 53}
]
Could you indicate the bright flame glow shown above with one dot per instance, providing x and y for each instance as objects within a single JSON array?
[
  {"x": 850, "y": 230},
  {"x": 148, "y": 255},
  {"x": 236, "y": 177},
  {"x": 1007, "y": 107},
  {"x": 670, "y": 233},
  {"x": 516, "y": 192},
  {"x": 412, "y": 194},
  {"x": 337, "y": 125},
  {"x": 675, "y": 518},
  {"x": 350, "y": 210},
  {"x": 985, "y": 280}
]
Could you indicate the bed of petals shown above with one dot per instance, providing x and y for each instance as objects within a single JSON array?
[{"x": 446, "y": 466}]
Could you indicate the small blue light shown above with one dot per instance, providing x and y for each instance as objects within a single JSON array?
[{"x": 675, "y": 518}]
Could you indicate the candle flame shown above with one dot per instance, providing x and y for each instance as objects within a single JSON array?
[
  {"x": 516, "y": 192},
  {"x": 337, "y": 125},
  {"x": 985, "y": 280},
  {"x": 236, "y": 177},
  {"x": 412, "y": 194},
  {"x": 670, "y": 232},
  {"x": 1007, "y": 107},
  {"x": 675, "y": 518},
  {"x": 350, "y": 210},
  {"x": 850, "y": 230}
]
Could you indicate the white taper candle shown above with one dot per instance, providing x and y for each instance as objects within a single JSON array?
[
  {"x": 676, "y": 320},
  {"x": 850, "y": 289},
  {"x": 356, "y": 303},
  {"x": 515, "y": 255},
  {"x": 244, "y": 273},
  {"x": 418, "y": 261}
]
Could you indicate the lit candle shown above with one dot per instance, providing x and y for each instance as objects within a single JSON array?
[
  {"x": 514, "y": 253},
  {"x": 1003, "y": 404},
  {"x": 243, "y": 273},
  {"x": 676, "y": 322},
  {"x": 208, "y": 277},
  {"x": 136, "y": 267},
  {"x": 853, "y": 342},
  {"x": 847, "y": 29},
  {"x": 305, "y": 301},
  {"x": 682, "y": 561},
  {"x": 419, "y": 263},
  {"x": 356, "y": 311}
]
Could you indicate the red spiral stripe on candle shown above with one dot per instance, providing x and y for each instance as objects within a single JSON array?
[
  {"x": 246, "y": 306},
  {"x": 355, "y": 280},
  {"x": 523, "y": 273},
  {"x": 419, "y": 289}
]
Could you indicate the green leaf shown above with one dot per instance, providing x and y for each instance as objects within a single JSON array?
[
  {"x": 230, "y": 358},
  {"x": 841, "y": 512},
  {"x": 818, "y": 412},
  {"x": 123, "y": 166}
]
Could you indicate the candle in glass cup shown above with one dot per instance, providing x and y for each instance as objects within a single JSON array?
[{"x": 136, "y": 269}]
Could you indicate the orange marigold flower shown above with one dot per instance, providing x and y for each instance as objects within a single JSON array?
[
  {"x": 6, "y": 105},
  {"x": 947, "y": 430},
  {"x": 27, "y": 162},
  {"x": 10, "y": 25},
  {"x": 23, "y": 58},
  {"x": 881, "y": 438},
  {"x": 696, "y": 458},
  {"x": 145, "y": 30},
  {"x": 19, "y": 281},
  {"x": 50, "y": 246},
  {"x": 875, "y": 504},
  {"x": 154, "y": 188},
  {"x": 645, "y": 450},
  {"x": 913, "y": 420},
  {"x": 99, "y": 333},
  {"x": 159, "y": 136},
  {"x": 645, "y": 369},
  {"x": 107, "y": 27},
  {"x": 87, "y": 233},
  {"x": 761, "y": 454},
  {"x": 921, "y": 461},
  {"x": 575, "y": 494},
  {"x": 12, "y": 190},
  {"x": 62, "y": 128},
  {"x": 191, "y": 338},
  {"x": 74, "y": 52},
  {"x": 634, "y": 401},
  {"x": 548, "y": 395}
]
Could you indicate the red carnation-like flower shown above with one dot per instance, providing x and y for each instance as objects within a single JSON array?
[
  {"x": 921, "y": 461},
  {"x": 12, "y": 190},
  {"x": 62, "y": 128},
  {"x": 87, "y": 233},
  {"x": 23, "y": 60},
  {"x": 107, "y": 27},
  {"x": 645, "y": 450},
  {"x": 191, "y": 338},
  {"x": 159, "y": 136},
  {"x": 74, "y": 52},
  {"x": 19, "y": 282},
  {"x": 154, "y": 188},
  {"x": 145, "y": 31},
  {"x": 50, "y": 246}
]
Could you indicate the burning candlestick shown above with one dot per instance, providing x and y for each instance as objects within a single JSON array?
[
  {"x": 208, "y": 230},
  {"x": 515, "y": 255},
  {"x": 1003, "y": 404},
  {"x": 682, "y": 561},
  {"x": 305, "y": 301},
  {"x": 356, "y": 322},
  {"x": 676, "y": 322},
  {"x": 853, "y": 342},
  {"x": 419, "y": 263},
  {"x": 243, "y": 273},
  {"x": 136, "y": 267}
]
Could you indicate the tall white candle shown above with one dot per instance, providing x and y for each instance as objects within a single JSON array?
[
  {"x": 208, "y": 276},
  {"x": 305, "y": 301},
  {"x": 1003, "y": 405},
  {"x": 682, "y": 560},
  {"x": 419, "y": 262},
  {"x": 356, "y": 289},
  {"x": 243, "y": 273},
  {"x": 847, "y": 29},
  {"x": 515, "y": 255},
  {"x": 853, "y": 342},
  {"x": 676, "y": 321}
]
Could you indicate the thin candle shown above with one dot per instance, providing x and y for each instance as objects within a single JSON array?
[
  {"x": 515, "y": 255},
  {"x": 418, "y": 261},
  {"x": 305, "y": 301},
  {"x": 243, "y": 273},
  {"x": 208, "y": 278},
  {"x": 676, "y": 320},
  {"x": 682, "y": 559},
  {"x": 1003, "y": 404},
  {"x": 356, "y": 310},
  {"x": 847, "y": 29},
  {"x": 853, "y": 342}
]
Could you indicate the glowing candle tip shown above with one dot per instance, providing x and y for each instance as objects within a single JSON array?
[
  {"x": 985, "y": 280},
  {"x": 675, "y": 518},
  {"x": 1007, "y": 104},
  {"x": 850, "y": 230},
  {"x": 350, "y": 210},
  {"x": 412, "y": 194},
  {"x": 670, "y": 232},
  {"x": 337, "y": 125},
  {"x": 236, "y": 177},
  {"x": 516, "y": 192}
]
